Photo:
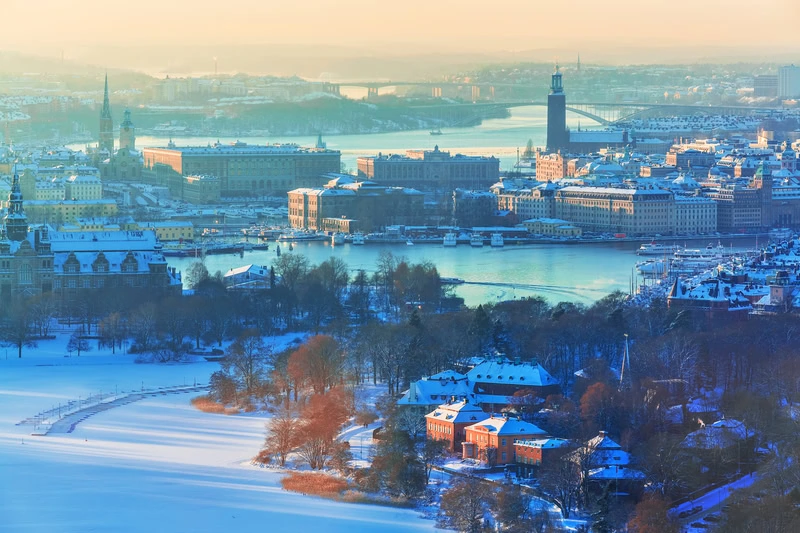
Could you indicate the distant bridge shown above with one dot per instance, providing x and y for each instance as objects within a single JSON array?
[
  {"x": 608, "y": 113},
  {"x": 605, "y": 113}
]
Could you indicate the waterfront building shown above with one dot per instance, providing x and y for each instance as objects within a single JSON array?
[
  {"x": 171, "y": 230},
  {"x": 428, "y": 170},
  {"x": 473, "y": 208},
  {"x": 789, "y": 82},
  {"x": 363, "y": 206},
  {"x": 243, "y": 169},
  {"x": 695, "y": 215},
  {"x": 557, "y": 133},
  {"x": 526, "y": 203},
  {"x": 552, "y": 227},
  {"x": 618, "y": 210}
]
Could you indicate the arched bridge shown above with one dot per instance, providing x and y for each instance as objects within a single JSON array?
[{"x": 608, "y": 113}]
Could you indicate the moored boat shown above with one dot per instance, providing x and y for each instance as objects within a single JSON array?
[
  {"x": 497, "y": 240},
  {"x": 358, "y": 239},
  {"x": 653, "y": 248},
  {"x": 476, "y": 240},
  {"x": 450, "y": 239}
]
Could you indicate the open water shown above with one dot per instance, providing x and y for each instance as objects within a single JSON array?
[{"x": 558, "y": 272}]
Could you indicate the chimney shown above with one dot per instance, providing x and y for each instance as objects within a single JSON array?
[
  {"x": 412, "y": 392},
  {"x": 602, "y": 434}
]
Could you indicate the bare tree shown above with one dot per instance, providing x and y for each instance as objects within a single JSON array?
[
  {"x": 463, "y": 505},
  {"x": 432, "y": 454},
  {"x": 77, "y": 344},
  {"x": 246, "y": 360},
  {"x": 561, "y": 481},
  {"x": 112, "y": 331},
  {"x": 16, "y": 327},
  {"x": 282, "y": 434}
]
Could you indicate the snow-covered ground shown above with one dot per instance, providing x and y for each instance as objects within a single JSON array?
[{"x": 156, "y": 464}]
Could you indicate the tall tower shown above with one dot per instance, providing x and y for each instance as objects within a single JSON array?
[
  {"x": 762, "y": 180},
  {"x": 557, "y": 134},
  {"x": 127, "y": 135},
  {"x": 106, "y": 124},
  {"x": 15, "y": 219}
]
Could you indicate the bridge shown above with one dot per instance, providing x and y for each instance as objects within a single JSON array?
[{"x": 607, "y": 113}]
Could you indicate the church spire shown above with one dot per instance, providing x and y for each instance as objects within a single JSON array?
[
  {"x": 16, "y": 221},
  {"x": 106, "y": 124},
  {"x": 106, "y": 112}
]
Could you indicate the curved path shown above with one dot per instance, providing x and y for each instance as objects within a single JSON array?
[{"x": 68, "y": 423}]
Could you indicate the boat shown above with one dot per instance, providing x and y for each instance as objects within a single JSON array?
[
  {"x": 653, "y": 248},
  {"x": 451, "y": 281},
  {"x": 358, "y": 239},
  {"x": 301, "y": 236},
  {"x": 709, "y": 253},
  {"x": 337, "y": 238},
  {"x": 437, "y": 131},
  {"x": 476, "y": 240},
  {"x": 497, "y": 240},
  {"x": 653, "y": 268},
  {"x": 259, "y": 247},
  {"x": 450, "y": 239},
  {"x": 409, "y": 242}
]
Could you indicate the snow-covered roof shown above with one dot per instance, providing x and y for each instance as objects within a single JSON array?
[
  {"x": 427, "y": 392},
  {"x": 69, "y": 241},
  {"x": 721, "y": 434},
  {"x": 462, "y": 412},
  {"x": 447, "y": 374},
  {"x": 252, "y": 270},
  {"x": 544, "y": 443},
  {"x": 530, "y": 374},
  {"x": 503, "y": 426}
]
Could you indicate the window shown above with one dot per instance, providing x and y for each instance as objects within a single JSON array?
[
  {"x": 25, "y": 274},
  {"x": 503, "y": 442}
]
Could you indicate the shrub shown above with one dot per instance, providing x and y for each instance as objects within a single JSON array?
[
  {"x": 317, "y": 484},
  {"x": 208, "y": 405}
]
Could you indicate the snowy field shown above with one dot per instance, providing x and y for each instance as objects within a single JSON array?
[{"x": 153, "y": 465}]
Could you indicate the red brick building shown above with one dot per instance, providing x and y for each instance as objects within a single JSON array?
[
  {"x": 531, "y": 454},
  {"x": 448, "y": 422},
  {"x": 492, "y": 440}
]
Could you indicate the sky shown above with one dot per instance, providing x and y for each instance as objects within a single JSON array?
[{"x": 379, "y": 26}]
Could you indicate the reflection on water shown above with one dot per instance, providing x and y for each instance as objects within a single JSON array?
[{"x": 578, "y": 273}]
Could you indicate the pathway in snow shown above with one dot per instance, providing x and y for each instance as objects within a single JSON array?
[{"x": 67, "y": 423}]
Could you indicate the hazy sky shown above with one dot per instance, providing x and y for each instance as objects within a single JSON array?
[{"x": 446, "y": 25}]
